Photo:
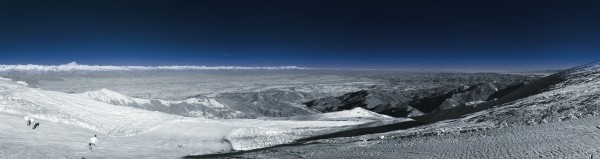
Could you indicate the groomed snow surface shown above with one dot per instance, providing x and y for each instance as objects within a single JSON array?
[
  {"x": 578, "y": 138},
  {"x": 67, "y": 121}
]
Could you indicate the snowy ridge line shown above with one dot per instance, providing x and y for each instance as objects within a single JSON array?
[
  {"x": 111, "y": 97},
  {"x": 73, "y": 66}
]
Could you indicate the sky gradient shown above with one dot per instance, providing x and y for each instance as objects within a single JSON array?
[{"x": 499, "y": 35}]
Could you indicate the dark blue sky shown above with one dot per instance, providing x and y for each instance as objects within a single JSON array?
[{"x": 505, "y": 35}]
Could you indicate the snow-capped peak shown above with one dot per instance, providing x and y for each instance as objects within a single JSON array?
[
  {"x": 71, "y": 64},
  {"x": 356, "y": 112}
]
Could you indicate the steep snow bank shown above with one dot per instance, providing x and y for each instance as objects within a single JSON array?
[
  {"x": 259, "y": 137},
  {"x": 265, "y": 133}
]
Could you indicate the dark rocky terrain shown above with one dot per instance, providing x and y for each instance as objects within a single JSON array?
[{"x": 412, "y": 103}]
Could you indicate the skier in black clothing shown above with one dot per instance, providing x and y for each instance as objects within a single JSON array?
[{"x": 37, "y": 123}]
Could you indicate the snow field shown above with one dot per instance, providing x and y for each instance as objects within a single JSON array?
[{"x": 127, "y": 131}]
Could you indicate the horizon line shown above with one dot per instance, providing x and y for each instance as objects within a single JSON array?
[{"x": 74, "y": 66}]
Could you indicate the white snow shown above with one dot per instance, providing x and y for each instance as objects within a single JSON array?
[
  {"x": 576, "y": 138},
  {"x": 137, "y": 128},
  {"x": 357, "y": 112},
  {"x": 278, "y": 132},
  {"x": 474, "y": 102},
  {"x": 79, "y": 111},
  {"x": 111, "y": 97},
  {"x": 254, "y": 134},
  {"x": 7, "y": 84},
  {"x": 258, "y": 137},
  {"x": 353, "y": 113}
]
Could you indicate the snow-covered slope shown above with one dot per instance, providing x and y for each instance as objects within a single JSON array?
[
  {"x": 353, "y": 113},
  {"x": 498, "y": 132},
  {"x": 112, "y": 97},
  {"x": 57, "y": 140},
  {"x": 76, "y": 110},
  {"x": 199, "y": 106},
  {"x": 339, "y": 115},
  {"x": 116, "y": 98},
  {"x": 257, "y": 137},
  {"x": 62, "y": 110},
  {"x": 574, "y": 93},
  {"x": 8, "y": 84},
  {"x": 573, "y": 139}
]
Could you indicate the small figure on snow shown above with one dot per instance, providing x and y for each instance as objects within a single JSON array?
[
  {"x": 31, "y": 121},
  {"x": 37, "y": 123},
  {"x": 27, "y": 120},
  {"x": 180, "y": 146},
  {"x": 93, "y": 142}
]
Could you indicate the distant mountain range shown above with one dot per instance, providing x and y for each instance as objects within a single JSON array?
[{"x": 73, "y": 66}]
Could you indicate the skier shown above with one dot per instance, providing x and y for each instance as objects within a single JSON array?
[
  {"x": 37, "y": 123},
  {"x": 31, "y": 121},
  {"x": 93, "y": 141},
  {"x": 27, "y": 120}
]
